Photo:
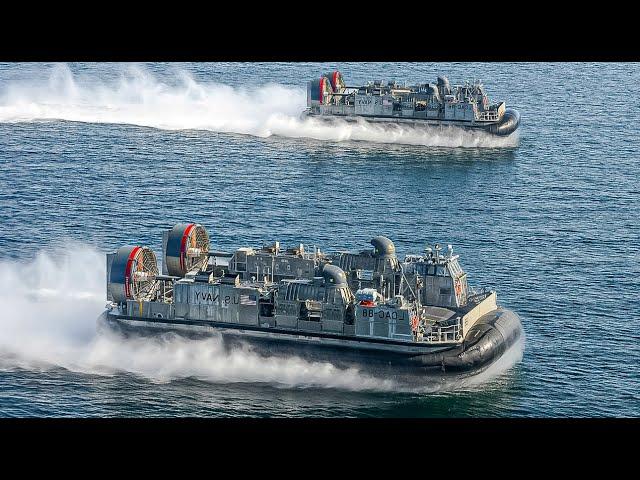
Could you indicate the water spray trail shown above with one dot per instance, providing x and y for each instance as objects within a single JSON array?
[{"x": 139, "y": 98}]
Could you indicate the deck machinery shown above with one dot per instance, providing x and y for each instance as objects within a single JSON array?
[{"x": 367, "y": 307}]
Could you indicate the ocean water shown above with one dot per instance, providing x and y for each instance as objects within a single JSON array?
[{"x": 95, "y": 156}]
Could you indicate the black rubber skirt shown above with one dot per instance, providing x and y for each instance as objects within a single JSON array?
[
  {"x": 486, "y": 341},
  {"x": 509, "y": 123}
]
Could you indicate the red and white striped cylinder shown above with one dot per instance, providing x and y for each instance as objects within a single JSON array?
[{"x": 186, "y": 249}]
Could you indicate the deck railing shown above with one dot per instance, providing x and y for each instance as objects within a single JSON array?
[
  {"x": 438, "y": 334},
  {"x": 491, "y": 116}
]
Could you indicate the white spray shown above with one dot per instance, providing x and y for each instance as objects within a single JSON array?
[{"x": 139, "y": 98}]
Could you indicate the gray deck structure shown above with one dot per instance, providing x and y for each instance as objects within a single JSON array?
[{"x": 436, "y": 104}]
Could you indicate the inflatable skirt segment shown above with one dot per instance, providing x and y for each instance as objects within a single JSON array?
[
  {"x": 486, "y": 341},
  {"x": 509, "y": 123}
]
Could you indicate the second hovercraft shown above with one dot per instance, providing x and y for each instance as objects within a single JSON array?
[{"x": 465, "y": 106}]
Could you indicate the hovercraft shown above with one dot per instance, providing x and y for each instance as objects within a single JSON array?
[
  {"x": 465, "y": 106},
  {"x": 367, "y": 308}
]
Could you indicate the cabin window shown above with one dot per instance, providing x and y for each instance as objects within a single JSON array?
[{"x": 445, "y": 291}]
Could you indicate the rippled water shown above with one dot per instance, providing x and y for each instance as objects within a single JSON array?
[{"x": 96, "y": 156}]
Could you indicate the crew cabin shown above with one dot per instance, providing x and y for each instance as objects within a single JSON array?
[{"x": 440, "y": 280}]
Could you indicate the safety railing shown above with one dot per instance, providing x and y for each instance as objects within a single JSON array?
[
  {"x": 444, "y": 334},
  {"x": 492, "y": 116}
]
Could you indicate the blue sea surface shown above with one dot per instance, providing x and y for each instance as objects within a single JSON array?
[{"x": 95, "y": 156}]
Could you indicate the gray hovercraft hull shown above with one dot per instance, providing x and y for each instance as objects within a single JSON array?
[
  {"x": 486, "y": 341},
  {"x": 505, "y": 127}
]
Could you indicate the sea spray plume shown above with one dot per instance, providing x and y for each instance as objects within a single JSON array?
[
  {"x": 138, "y": 97},
  {"x": 169, "y": 356},
  {"x": 46, "y": 300}
]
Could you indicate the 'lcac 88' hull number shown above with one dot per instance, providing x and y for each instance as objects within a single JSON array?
[{"x": 370, "y": 313}]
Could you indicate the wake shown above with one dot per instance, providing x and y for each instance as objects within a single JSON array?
[{"x": 139, "y": 98}]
